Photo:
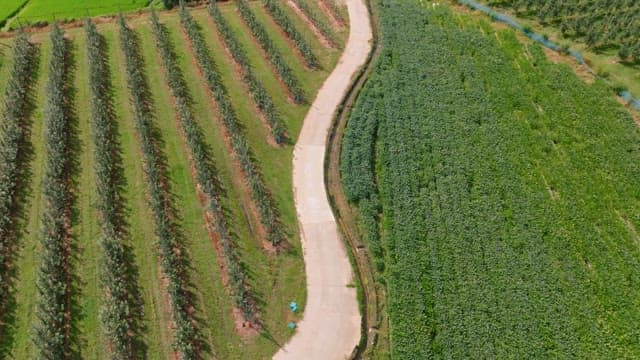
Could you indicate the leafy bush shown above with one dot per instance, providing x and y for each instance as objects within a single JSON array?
[
  {"x": 260, "y": 33},
  {"x": 269, "y": 216},
  {"x": 12, "y": 135},
  {"x": 51, "y": 333},
  {"x": 260, "y": 94},
  {"x": 205, "y": 172},
  {"x": 600, "y": 23},
  {"x": 317, "y": 20},
  {"x": 118, "y": 314},
  {"x": 173, "y": 264},
  {"x": 285, "y": 23}
]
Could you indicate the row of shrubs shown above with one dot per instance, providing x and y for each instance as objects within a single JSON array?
[
  {"x": 52, "y": 332},
  {"x": 259, "y": 193},
  {"x": 205, "y": 171},
  {"x": 317, "y": 21},
  {"x": 274, "y": 55},
  {"x": 260, "y": 94},
  {"x": 13, "y": 123},
  {"x": 335, "y": 10},
  {"x": 119, "y": 313},
  {"x": 173, "y": 263},
  {"x": 283, "y": 20}
]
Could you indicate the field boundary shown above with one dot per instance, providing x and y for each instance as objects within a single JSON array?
[{"x": 346, "y": 215}]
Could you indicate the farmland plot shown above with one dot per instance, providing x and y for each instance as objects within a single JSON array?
[{"x": 506, "y": 190}]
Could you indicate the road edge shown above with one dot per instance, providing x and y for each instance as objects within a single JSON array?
[{"x": 368, "y": 292}]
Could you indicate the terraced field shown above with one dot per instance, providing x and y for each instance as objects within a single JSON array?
[{"x": 150, "y": 205}]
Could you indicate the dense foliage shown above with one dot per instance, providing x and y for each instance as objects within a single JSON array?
[
  {"x": 508, "y": 194},
  {"x": 259, "y": 193},
  {"x": 286, "y": 24},
  {"x": 205, "y": 173},
  {"x": 274, "y": 55},
  {"x": 13, "y": 128},
  {"x": 119, "y": 313},
  {"x": 52, "y": 332},
  {"x": 173, "y": 262},
  {"x": 602, "y": 23},
  {"x": 260, "y": 94},
  {"x": 317, "y": 19}
]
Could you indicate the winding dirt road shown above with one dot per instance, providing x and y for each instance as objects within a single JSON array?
[{"x": 330, "y": 327}]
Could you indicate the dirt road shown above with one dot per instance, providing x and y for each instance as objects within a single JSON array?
[{"x": 330, "y": 328}]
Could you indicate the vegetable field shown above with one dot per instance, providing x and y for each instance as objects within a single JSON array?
[
  {"x": 146, "y": 206},
  {"x": 498, "y": 192}
]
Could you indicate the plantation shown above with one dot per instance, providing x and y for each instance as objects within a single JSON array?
[
  {"x": 146, "y": 205},
  {"x": 498, "y": 193},
  {"x": 602, "y": 24}
]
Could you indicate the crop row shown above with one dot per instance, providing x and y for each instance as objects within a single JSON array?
[
  {"x": 118, "y": 314},
  {"x": 172, "y": 262},
  {"x": 259, "y": 192},
  {"x": 260, "y": 94},
  {"x": 12, "y": 136},
  {"x": 286, "y": 24},
  {"x": 274, "y": 55},
  {"x": 205, "y": 172},
  {"x": 52, "y": 333},
  {"x": 317, "y": 20},
  {"x": 335, "y": 10}
]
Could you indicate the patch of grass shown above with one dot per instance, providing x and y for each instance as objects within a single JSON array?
[
  {"x": 64, "y": 10},
  {"x": 8, "y": 8}
]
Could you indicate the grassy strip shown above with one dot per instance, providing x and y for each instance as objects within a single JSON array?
[
  {"x": 120, "y": 313},
  {"x": 52, "y": 336},
  {"x": 259, "y": 192},
  {"x": 274, "y": 55},
  {"x": 282, "y": 19},
  {"x": 14, "y": 131},
  {"x": 205, "y": 171},
  {"x": 260, "y": 95},
  {"x": 173, "y": 264}
]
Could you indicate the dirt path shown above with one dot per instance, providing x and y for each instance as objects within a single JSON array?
[{"x": 330, "y": 328}]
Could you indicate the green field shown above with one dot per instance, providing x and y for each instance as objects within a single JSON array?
[
  {"x": 9, "y": 8},
  {"x": 499, "y": 193},
  {"x": 37, "y": 11},
  {"x": 274, "y": 279}
]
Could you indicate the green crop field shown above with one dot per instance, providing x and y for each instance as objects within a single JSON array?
[
  {"x": 50, "y": 10},
  {"x": 10, "y": 8},
  {"x": 130, "y": 225},
  {"x": 498, "y": 191}
]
